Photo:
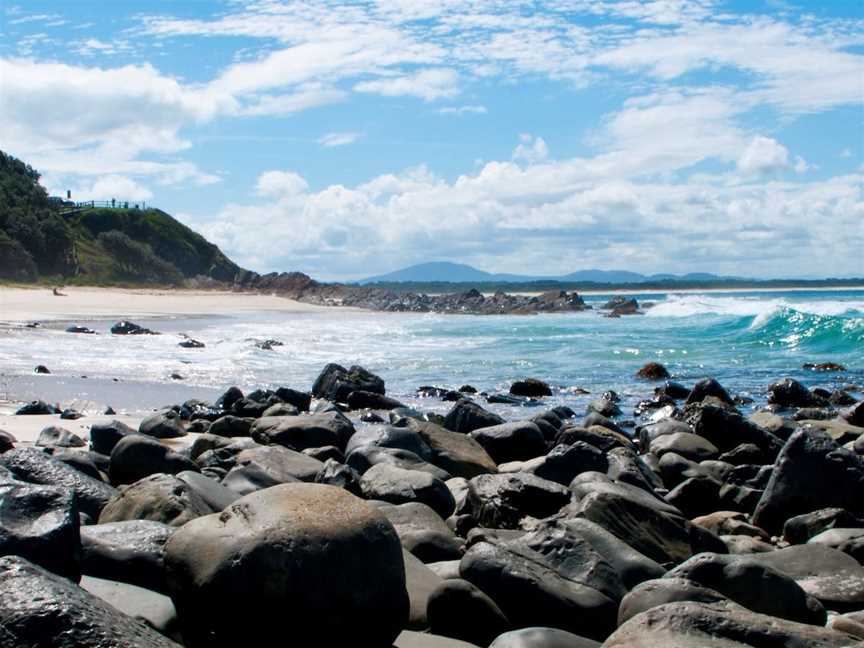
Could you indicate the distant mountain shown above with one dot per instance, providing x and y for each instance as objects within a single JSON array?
[{"x": 444, "y": 271}]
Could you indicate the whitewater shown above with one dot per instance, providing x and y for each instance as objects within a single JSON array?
[{"x": 744, "y": 339}]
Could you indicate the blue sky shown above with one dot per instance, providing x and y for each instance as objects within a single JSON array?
[{"x": 350, "y": 139}]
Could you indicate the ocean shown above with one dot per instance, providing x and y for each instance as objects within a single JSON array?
[{"x": 746, "y": 339}]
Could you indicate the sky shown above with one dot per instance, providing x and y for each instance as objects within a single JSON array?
[{"x": 347, "y": 139}]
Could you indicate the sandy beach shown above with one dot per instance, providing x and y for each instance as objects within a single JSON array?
[{"x": 18, "y": 304}]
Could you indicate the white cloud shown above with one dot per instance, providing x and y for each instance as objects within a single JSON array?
[
  {"x": 330, "y": 140},
  {"x": 121, "y": 188},
  {"x": 280, "y": 184},
  {"x": 764, "y": 156},
  {"x": 459, "y": 111},
  {"x": 530, "y": 149},
  {"x": 429, "y": 85}
]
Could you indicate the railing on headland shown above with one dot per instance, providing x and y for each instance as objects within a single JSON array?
[{"x": 67, "y": 206}]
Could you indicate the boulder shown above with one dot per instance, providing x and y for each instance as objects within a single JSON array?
[
  {"x": 502, "y": 500},
  {"x": 812, "y": 472},
  {"x": 338, "y": 474},
  {"x": 653, "y": 371},
  {"x": 40, "y": 523},
  {"x": 398, "y": 486},
  {"x": 530, "y": 387},
  {"x": 708, "y": 387},
  {"x": 34, "y": 466},
  {"x": 516, "y": 441},
  {"x": 57, "y": 437},
  {"x": 363, "y": 458},
  {"x": 726, "y": 429},
  {"x": 547, "y": 578},
  {"x": 232, "y": 426},
  {"x": 283, "y": 464},
  {"x": 130, "y": 328},
  {"x": 458, "y": 454},
  {"x": 420, "y": 581},
  {"x": 413, "y": 639},
  {"x": 370, "y": 400},
  {"x": 162, "y": 498},
  {"x": 422, "y": 532},
  {"x": 563, "y": 462},
  {"x": 849, "y": 541},
  {"x": 214, "y": 494},
  {"x": 627, "y": 467},
  {"x": 304, "y": 431},
  {"x": 730, "y": 523},
  {"x": 299, "y": 557},
  {"x": 38, "y": 608},
  {"x": 154, "y": 609},
  {"x": 542, "y": 638},
  {"x": 300, "y": 400},
  {"x": 467, "y": 416},
  {"x": 130, "y": 551},
  {"x": 137, "y": 456},
  {"x": 458, "y": 609},
  {"x": 854, "y": 415},
  {"x": 604, "y": 407},
  {"x": 36, "y": 408},
  {"x": 688, "y": 445},
  {"x": 791, "y": 393},
  {"x": 598, "y": 436},
  {"x": 695, "y": 496},
  {"x": 104, "y": 436},
  {"x": 799, "y": 529},
  {"x": 688, "y": 624},
  {"x": 335, "y": 383},
  {"x": 757, "y": 587},
  {"x": 660, "y": 591},
  {"x": 7, "y": 441},
  {"x": 163, "y": 425}
]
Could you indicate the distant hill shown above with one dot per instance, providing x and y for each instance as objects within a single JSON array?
[
  {"x": 444, "y": 271},
  {"x": 45, "y": 239}
]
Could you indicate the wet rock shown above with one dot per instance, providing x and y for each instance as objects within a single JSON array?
[
  {"x": 422, "y": 532},
  {"x": 302, "y": 556},
  {"x": 730, "y": 523},
  {"x": 458, "y": 609},
  {"x": 306, "y": 431},
  {"x": 756, "y": 586},
  {"x": 36, "y": 408},
  {"x": 501, "y": 501},
  {"x": 547, "y": 578},
  {"x": 849, "y": 541},
  {"x": 695, "y": 496},
  {"x": 399, "y": 486},
  {"x": 660, "y": 591},
  {"x": 626, "y": 467},
  {"x": 130, "y": 551},
  {"x": 791, "y": 393},
  {"x": 686, "y": 444},
  {"x": 369, "y": 400},
  {"x": 338, "y": 474},
  {"x": 162, "y": 425},
  {"x": 152, "y": 608},
  {"x": 598, "y": 436},
  {"x": 40, "y": 523},
  {"x": 854, "y": 415},
  {"x": 136, "y": 456},
  {"x": 57, "y": 437},
  {"x": 727, "y": 429},
  {"x": 563, "y": 463},
  {"x": 708, "y": 387},
  {"x": 363, "y": 458},
  {"x": 515, "y": 441},
  {"x": 542, "y": 638},
  {"x": 823, "y": 366},
  {"x": 7, "y": 441},
  {"x": 324, "y": 453},
  {"x": 231, "y": 426},
  {"x": 226, "y": 400},
  {"x": 104, "y": 436},
  {"x": 531, "y": 387},
  {"x": 214, "y": 494},
  {"x": 458, "y": 454},
  {"x": 41, "y": 369},
  {"x": 335, "y": 383},
  {"x": 604, "y": 407},
  {"x": 38, "y": 608},
  {"x": 36, "y": 467},
  {"x": 80, "y": 329},
  {"x": 162, "y": 498},
  {"x": 299, "y": 399},
  {"x": 799, "y": 529},
  {"x": 653, "y": 371},
  {"x": 130, "y": 328},
  {"x": 283, "y": 464},
  {"x": 189, "y": 343},
  {"x": 812, "y": 472},
  {"x": 467, "y": 416}
]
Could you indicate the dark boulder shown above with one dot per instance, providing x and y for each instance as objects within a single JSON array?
[
  {"x": 708, "y": 387},
  {"x": 854, "y": 415},
  {"x": 130, "y": 328},
  {"x": 791, "y": 393},
  {"x": 516, "y": 441},
  {"x": 360, "y": 399},
  {"x": 604, "y": 407},
  {"x": 811, "y": 472},
  {"x": 305, "y": 431},
  {"x": 457, "y": 453},
  {"x": 755, "y": 586},
  {"x": 306, "y": 557},
  {"x": 399, "y": 486},
  {"x": 660, "y": 591},
  {"x": 162, "y": 498},
  {"x": 422, "y": 532},
  {"x": 335, "y": 382},
  {"x": 338, "y": 474},
  {"x": 564, "y": 462},
  {"x": 688, "y": 445},
  {"x": 40, "y": 523},
  {"x": 673, "y": 390},
  {"x": 41, "y": 369},
  {"x": 39, "y": 609},
  {"x": 129, "y": 551},
  {"x": 137, "y": 456},
  {"x": 653, "y": 371},
  {"x": 363, "y": 458},
  {"x": 542, "y": 638},
  {"x": 531, "y": 387},
  {"x": 502, "y": 500},
  {"x": 34, "y": 466},
  {"x": 189, "y": 343},
  {"x": 727, "y": 429},
  {"x": 36, "y": 408},
  {"x": 226, "y": 400},
  {"x": 283, "y": 464},
  {"x": 7, "y": 441},
  {"x": 80, "y": 329},
  {"x": 231, "y": 426},
  {"x": 163, "y": 425},
  {"x": 799, "y": 529},
  {"x": 54, "y": 436},
  {"x": 458, "y": 609},
  {"x": 300, "y": 400},
  {"x": 467, "y": 416}
]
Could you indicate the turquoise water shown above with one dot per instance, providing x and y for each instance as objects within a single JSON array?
[{"x": 744, "y": 339}]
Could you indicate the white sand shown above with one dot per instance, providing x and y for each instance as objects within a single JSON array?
[{"x": 34, "y": 304}]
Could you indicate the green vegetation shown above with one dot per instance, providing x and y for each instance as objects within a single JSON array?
[{"x": 41, "y": 239}]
